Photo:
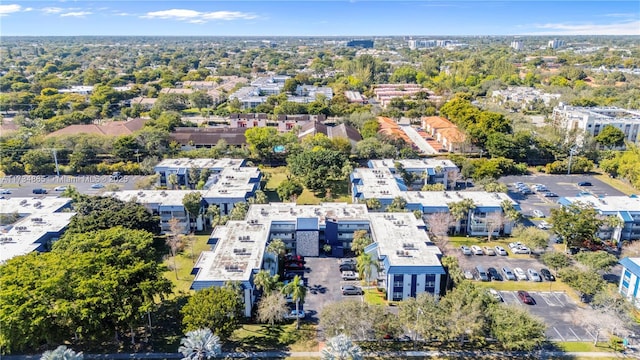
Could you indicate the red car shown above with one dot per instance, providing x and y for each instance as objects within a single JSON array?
[{"x": 525, "y": 297}]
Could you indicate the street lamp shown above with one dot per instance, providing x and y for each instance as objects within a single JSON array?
[
  {"x": 415, "y": 330},
  {"x": 572, "y": 152}
]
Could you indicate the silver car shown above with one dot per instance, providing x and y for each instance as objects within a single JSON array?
[
  {"x": 520, "y": 274},
  {"x": 533, "y": 275},
  {"x": 508, "y": 274},
  {"x": 501, "y": 251}
]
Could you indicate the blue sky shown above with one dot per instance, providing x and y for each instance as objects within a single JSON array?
[{"x": 322, "y": 18}]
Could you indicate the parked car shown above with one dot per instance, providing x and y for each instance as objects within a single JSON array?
[
  {"x": 348, "y": 267},
  {"x": 520, "y": 274},
  {"x": 465, "y": 250},
  {"x": 501, "y": 251},
  {"x": 584, "y": 183},
  {"x": 550, "y": 194},
  {"x": 60, "y": 188},
  {"x": 39, "y": 191},
  {"x": 295, "y": 257},
  {"x": 481, "y": 274},
  {"x": 488, "y": 251},
  {"x": 116, "y": 175},
  {"x": 477, "y": 250},
  {"x": 468, "y": 275},
  {"x": 544, "y": 225},
  {"x": 351, "y": 290},
  {"x": 295, "y": 314},
  {"x": 294, "y": 266},
  {"x": 349, "y": 275},
  {"x": 348, "y": 261},
  {"x": 508, "y": 274},
  {"x": 97, "y": 186},
  {"x": 521, "y": 250},
  {"x": 547, "y": 275},
  {"x": 537, "y": 213},
  {"x": 525, "y": 297},
  {"x": 496, "y": 295},
  {"x": 514, "y": 245},
  {"x": 5, "y": 191},
  {"x": 533, "y": 275},
  {"x": 494, "y": 274}
]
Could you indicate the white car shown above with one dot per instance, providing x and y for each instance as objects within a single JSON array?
[
  {"x": 496, "y": 295},
  {"x": 537, "y": 213},
  {"x": 349, "y": 275},
  {"x": 514, "y": 245},
  {"x": 488, "y": 251},
  {"x": 533, "y": 275},
  {"x": 501, "y": 251},
  {"x": 521, "y": 250},
  {"x": 299, "y": 314},
  {"x": 465, "y": 250},
  {"x": 544, "y": 225},
  {"x": 477, "y": 250},
  {"x": 520, "y": 274},
  {"x": 60, "y": 188},
  {"x": 5, "y": 191}
]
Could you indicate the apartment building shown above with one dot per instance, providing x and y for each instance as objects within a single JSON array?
[
  {"x": 400, "y": 243},
  {"x": 591, "y": 120},
  {"x": 626, "y": 208},
  {"x": 38, "y": 223},
  {"x": 630, "y": 280}
]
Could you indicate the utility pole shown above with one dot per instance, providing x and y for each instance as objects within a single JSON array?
[{"x": 55, "y": 159}]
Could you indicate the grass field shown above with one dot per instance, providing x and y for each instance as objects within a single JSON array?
[
  {"x": 374, "y": 297},
  {"x": 184, "y": 264},
  {"x": 617, "y": 184},
  {"x": 259, "y": 337},
  {"x": 339, "y": 189}
]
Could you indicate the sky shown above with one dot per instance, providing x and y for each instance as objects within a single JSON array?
[{"x": 318, "y": 18}]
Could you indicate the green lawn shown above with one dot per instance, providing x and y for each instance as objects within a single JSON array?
[
  {"x": 339, "y": 189},
  {"x": 259, "y": 337},
  {"x": 617, "y": 184},
  {"x": 184, "y": 264},
  {"x": 374, "y": 297},
  {"x": 571, "y": 346}
]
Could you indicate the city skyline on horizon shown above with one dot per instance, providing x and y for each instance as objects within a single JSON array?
[{"x": 319, "y": 18}]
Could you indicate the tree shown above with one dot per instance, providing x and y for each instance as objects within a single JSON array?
[
  {"x": 259, "y": 198},
  {"x": 218, "y": 308},
  {"x": 460, "y": 210},
  {"x": 297, "y": 291},
  {"x": 433, "y": 187},
  {"x": 597, "y": 260},
  {"x": 439, "y": 225},
  {"x": 62, "y": 353},
  {"x": 341, "y": 348},
  {"x": 200, "y": 99},
  {"x": 494, "y": 222},
  {"x": 531, "y": 236},
  {"x": 516, "y": 329},
  {"x": 373, "y": 204},
  {"x": 494, "y": 186},
  {"x": 575, "y": 224},
  {"x": 422, "y": 315},
  {"x": 610, "y": 137},
  {"x": 288, "y": 189},
  {"x": 353, "y": 318},
  {"x": 239, "y": 211},
  {"x": 588, "y": 283},
  {"x": 510, "y": 211},
  {"x": 99, "y": 213},
  {"x": 200, "y": 344},
  {"x": 265, "y": 282},
  {"x": 272, "y": 308},
  {"x": 317, "y": 167},
  {"x": 398, "y": 204},
  {"x": 360, "y": 240},
  {"x": 192, "y": 202},
  {"x": 365, "y": 265},
  {"x": 464, "y": 316},
  {"x": 555, "y": 260},
  {"x": 173, "y": 180},
  {"x": 173, "y": 240}
]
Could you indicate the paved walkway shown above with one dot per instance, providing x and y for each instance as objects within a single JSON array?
[{"x": 400, "y": 354}]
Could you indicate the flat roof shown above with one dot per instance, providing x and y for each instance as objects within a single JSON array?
[
  {"x": 238, "y": 252},
  {"x": 205, "y": 163},
  {"x": 444, "y": 198},
  {"x": 377, "y": 183},
  {"x": 39, "y": 217},
  {"x": 609, "y": 203},
  {"x": 400, "y": 239},
  {"x": 292, "y": 211},
  {"x": 413, "y": 164}
]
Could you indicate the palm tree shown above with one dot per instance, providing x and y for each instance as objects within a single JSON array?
[
  {"x": 62, "y": 353},
  {"x": 460, "y": 210},
  {"x": 200, "y": 344},
  {"x": 277, "y": 248},
  {"x": 265, "y": 282},
  {"x": 365, "y": 265},
  {"x": 341, "y": 348},
  {"x": 297, "y": 291}
]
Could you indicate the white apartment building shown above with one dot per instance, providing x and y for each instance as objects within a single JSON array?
[
  {"x": 555, "y": 44},
  {"x": 517, "y": 45},
  {"x": 592, "y": 120}
]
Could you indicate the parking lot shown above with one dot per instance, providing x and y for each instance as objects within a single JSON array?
[
  {"x": 323, "y": 280},
  {"x": 558, "y": 312},
  {"x": 562, "y": 185}
]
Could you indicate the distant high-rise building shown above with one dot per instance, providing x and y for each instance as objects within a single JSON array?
[
  {"x": 555, "y": 43},
  {"x": 517, "y": 45},
  {"x": 366, "y": 44}
]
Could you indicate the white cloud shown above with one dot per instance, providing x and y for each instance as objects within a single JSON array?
[
  {"x": 52, "y": 10},
  {"x": 197, "y": 17},
  {"x": 28, "y": 9},
  {"x": 122, "y": 14},
  {"x": 621, "y": 28},
  {"x": 8, "y": 9},
  {"x": 76, "y": 14}
]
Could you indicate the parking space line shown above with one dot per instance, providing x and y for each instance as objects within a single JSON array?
[
  {"x": 558, "y": 332},
  {"x": 590, "y": 334},
  {"x": 574, "y": 334},
  {"x": 555, "y": 295}
]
